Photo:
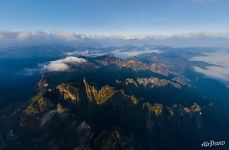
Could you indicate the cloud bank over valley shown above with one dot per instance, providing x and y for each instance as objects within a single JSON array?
[{"x": 218, "y": 67}]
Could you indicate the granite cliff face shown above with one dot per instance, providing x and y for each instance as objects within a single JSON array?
[
  {"x": 111, "y": 103},
  {"x": 69, "y": 92}
]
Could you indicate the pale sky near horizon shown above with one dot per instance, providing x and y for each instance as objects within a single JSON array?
[{"x": 115, "y": 16}]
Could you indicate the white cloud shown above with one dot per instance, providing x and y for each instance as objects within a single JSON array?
[
  {"x": 78, "y": 52},
  {"x": 139, "y": 36},
  {"x": 8, "y": 38},
  {"x": 214, "y": 72},
  {"x": 63, "y": 64},
  {"x": 218, "y": 65},
  {"x": 72, "y": 59},
  {"x": 132, "y": 53},
  {"x": 56, "y": 67},
  {"x": 201, "y": 35},
  {"x": 22, "y": 35},
  {"x": 69, "y": 36}
]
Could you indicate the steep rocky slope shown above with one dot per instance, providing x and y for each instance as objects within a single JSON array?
[{"x": 111, "y": 103}]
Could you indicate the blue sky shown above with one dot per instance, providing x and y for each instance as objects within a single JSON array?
[{"x": 115, "y": 16}]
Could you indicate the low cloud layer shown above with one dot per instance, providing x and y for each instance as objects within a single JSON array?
[
  {"x": 132, "y": 53},
  {"x": 23, "y": 38},
  {"x": 63, "y": 64},
  {"x": 218, "y": 65}
]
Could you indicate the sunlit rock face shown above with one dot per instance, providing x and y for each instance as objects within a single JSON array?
[
  {"x": 134, "y": 64},
  {"x": 98, "y": 96},
  {"x": 60, "y": 108},
  {"x": 130, "y": 81},
  {"x": 68, "y": 91},
  {"x": 156, "y": 82},
  {"x": 37, "y": 105},
  {"x": 155, "y": 109}
]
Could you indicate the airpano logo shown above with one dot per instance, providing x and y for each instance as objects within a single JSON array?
[{"x": 212, "y": 143}]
